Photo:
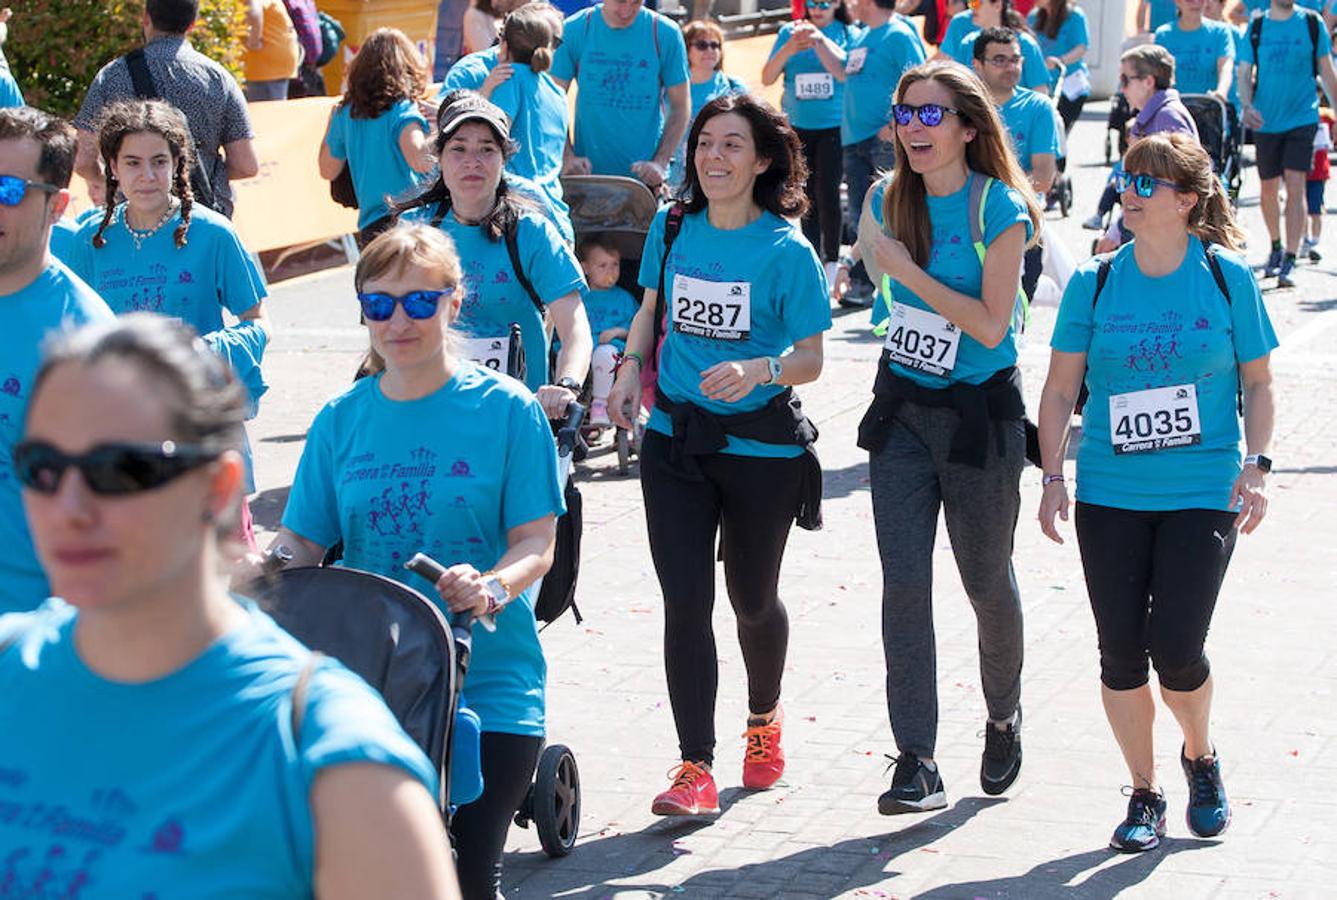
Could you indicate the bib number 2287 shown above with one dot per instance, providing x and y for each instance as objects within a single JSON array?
[
  {"x": 719, "y": 310},
  {"x": 922, "y": 340},
  {"x": 1155, "y": 419}
]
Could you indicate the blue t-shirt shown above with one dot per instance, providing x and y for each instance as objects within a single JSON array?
[
  {"x": 959, "y": 41},
  {"x": 63, "y": 239},
  {"x": 718, "y": 85},
  {"x": 1196, "y": 53},
  {"x": 621, "y": 74},
  {"x": 819, "y": 107},
  {"x": 953, "y": 262},
  {"x": 371, "y": 147},
  {"x": 736, "y": 294},
  {"x": 56, "y": 299},
  {"x": 1149, "y": 332},
  {"x": 1163, "y": 12},
  {"x": 493, "y": 296},
  {"x": 611, "y": 308},
  {"x": 1072, "y": 33},
  {"x": 1286, "y": 95},
  {"x": 1259, "y": 7},
  {"x": 447, "y": 475},
  {"x": 554, "y": 208},
  {"x": 1029, "y": 118},
  {"x": 469, "y": 72},
  {"x": 537, "y": 107},
  {"x": 10, "y": 94},
  {"x": 873, "y": 66},
  {"x": 188, "y": 785}
]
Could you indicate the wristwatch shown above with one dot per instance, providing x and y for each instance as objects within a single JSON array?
[
  {"x": 498, "y": 594},
  {"x": 774, "y": 368},
  {"x": 566, "y": 381},
  {"x": 1259, "y": 461}
]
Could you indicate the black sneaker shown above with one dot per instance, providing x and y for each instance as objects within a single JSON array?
[
  {"x": 1208, "y": 810},
  {"x": 1144, "y": 825},
  {"x": 913, "y": 788},
  {"x": 1273, "y": 264},
  {"x": 858, "y": 296},
  {"x": 1001, "y": 763}
]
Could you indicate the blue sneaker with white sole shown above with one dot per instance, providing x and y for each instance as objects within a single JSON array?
[{"x": 1208, "y": 809}]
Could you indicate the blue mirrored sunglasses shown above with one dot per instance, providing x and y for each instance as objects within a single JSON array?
[
  {"x": 13, "y": 189},
  {"x": 1143, "y": 185},
  {"x": 417, "y": 304},
  {"x": 929, "y": 113},
  {"x": 820, "y": 4}
]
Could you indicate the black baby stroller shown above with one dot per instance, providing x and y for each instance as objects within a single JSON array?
[
  {"x": 401, "y": 645},
  {"x": 1116, "y": 128},
  {"x": 621, "y": 209},
  {"x": 1221, "y": 135}
]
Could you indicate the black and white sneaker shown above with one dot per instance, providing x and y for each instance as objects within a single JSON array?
[
  {"x": 1001, "y": 763},
  {"x": 914, "y": 788}
]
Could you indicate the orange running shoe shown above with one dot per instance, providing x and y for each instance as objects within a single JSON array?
[
  {"x": 764, "y": 759},
  {"x": 691, "y": 794}
]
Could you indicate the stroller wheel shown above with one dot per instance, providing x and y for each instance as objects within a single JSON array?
[
  {"x": 1065, "y": 196},
  {"x": 623, "y": 451},
  {"x": 556, "y": 800}
]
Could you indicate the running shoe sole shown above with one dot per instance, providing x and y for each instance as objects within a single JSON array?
[
  {"x": 1150, "y": 845},
  {"x": 673, "y": 809},
  {"x": 889, "y": 806},
  {"x": 1188, "y": 820},
  {"x": 994, "y": 788}
]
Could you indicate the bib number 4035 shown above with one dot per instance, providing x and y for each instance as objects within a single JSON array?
[{"x": 1155, "y": 419}]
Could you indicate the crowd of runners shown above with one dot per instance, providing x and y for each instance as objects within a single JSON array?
[{"x": 908, "y": 170}]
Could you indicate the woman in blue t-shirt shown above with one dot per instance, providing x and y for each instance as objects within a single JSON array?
[
  {"x": 157, "y": 712},
  {"x": 811, "y": 56},
  {"x": 377, "y": 130},
  {"x": 1173, "y": 346},
  {"x": 1060, "y": 27},
  {"x": 945, "y": 431},
  {"x": 472, "y": 202},
  {"x": 727, "y": 449},
  {"x": 158, "y": 251},
  {"x": 705, "y": 66},
  {"x": 433, "y": 453}
]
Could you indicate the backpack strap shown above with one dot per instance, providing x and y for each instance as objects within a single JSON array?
[
  {"x": 511, "y": 236},
  {"x": 979, "y": 197},
  {"x": 1214, "y": 263},
  {"x": 1255, "y": 37},
  {"x": 672, "y": 225},
  {"x": 1311, "y": 19},
  {"x": 140, "y": 77}
]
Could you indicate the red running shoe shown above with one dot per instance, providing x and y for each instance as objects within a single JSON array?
[
  {"x": 691, "y": 794},
  {"x": 764, "y": 759}
]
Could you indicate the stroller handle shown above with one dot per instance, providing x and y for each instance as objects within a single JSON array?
[
  {"x": 424, "y": 565},
  {"x": 568, "y": 428}
]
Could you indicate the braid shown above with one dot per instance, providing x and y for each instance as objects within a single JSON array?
[
  {"x": 112, "y": 187},
  {"x": 181, "y": 188}
]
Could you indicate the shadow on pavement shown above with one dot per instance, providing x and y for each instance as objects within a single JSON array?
[
  {"x": 1052, "y": 879},
  {"x": 837, "y": 483}
]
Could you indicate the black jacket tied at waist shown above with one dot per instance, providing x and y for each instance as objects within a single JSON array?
[
  {"x": 996, "y": 400},
  {"x": 698, "y": 432}
]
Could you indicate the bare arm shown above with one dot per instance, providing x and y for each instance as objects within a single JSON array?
[
  {"x": 417, "y": 150},
  {"x": 330, "y": 165},
  {"x": 1059, "y": 397},
  {"x": 831, "y": 56},
  {"x": 529, "y": 550},
  {"x": 573, "y": 360},
  {"x": 1259, "y": 416},
  {"x": 259, "y": 315},
  {"x": 1224, "y": 74},
  {"x": 241, "y": 160},
  {"x": 379, "y": 834},
  {"x": 255, "y": 25},
  {"x": 304, "y": 552},
  {"x": 775, "y": 66},
  {"x": 680, "y": 113},
  {"x": 89, "y": 166},
  {"x": 1328, "y": 74},
  {"x": 1044, "y": 168}
]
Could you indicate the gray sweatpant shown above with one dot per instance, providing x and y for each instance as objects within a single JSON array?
[{"x": 910, "y": 479}]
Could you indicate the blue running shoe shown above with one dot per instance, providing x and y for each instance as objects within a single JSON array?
[
  {"x": 1208, "y": 809},
  {"x": 1286, "y": 274},
  {"x": 1273, "y": 265},
  {"x": 1144, "y": 826}
]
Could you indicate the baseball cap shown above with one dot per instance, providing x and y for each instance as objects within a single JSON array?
[{"x": 472, "y": 108}]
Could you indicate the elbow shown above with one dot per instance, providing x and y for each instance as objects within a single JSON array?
[
  {"x": 995, "y": 335},
  {"x": 247, "y": 169}
]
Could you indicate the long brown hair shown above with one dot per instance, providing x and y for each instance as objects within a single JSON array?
[
  {"x": 1179, "y": 159},
  {"x": 529, "y": 33},
  {"x": 905, "y": 205},
  {"x": 147, "y": 117},
  {"x": 1050, "y": 16},
  {"x": 386, "y": 70}
]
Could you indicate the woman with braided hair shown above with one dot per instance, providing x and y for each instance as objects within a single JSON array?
[{"x": 153, "y": 250}]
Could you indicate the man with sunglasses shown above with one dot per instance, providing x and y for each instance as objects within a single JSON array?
[
  {"x": 38, "y": 295},
  {"x": 1030, "y": 122},
  {"x": 873, "y": 65}
]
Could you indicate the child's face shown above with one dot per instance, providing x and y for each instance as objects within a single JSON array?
[{"x": 602, "y": 268}]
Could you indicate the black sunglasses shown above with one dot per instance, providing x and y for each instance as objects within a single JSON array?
[
  {"x": 706, "y": 45},
  {"x": 108, "y": 469}
]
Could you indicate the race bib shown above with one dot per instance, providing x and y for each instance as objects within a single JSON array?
[
  {"x": 922, "y": 340},
  {"x": 1155, "y": 419},
  {"x": 488, "y": 352},
  {"x": 814, "y": 86},
  {"x": 720, "y": 310},
  {"x": 854, "y": 62}
]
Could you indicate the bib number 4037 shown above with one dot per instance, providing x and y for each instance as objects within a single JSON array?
[
  {"x": 922, "y": 340},
  {"x": 1155, "y": 419}
]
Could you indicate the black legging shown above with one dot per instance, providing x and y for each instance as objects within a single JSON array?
[
  {"x": 1069, "y": 110},
  {"x": 751, "y": 502},
  {"x": 479, "y": 829},
  {"x": 826, "y": 167},
  {"x": 1153, "y": 578}
]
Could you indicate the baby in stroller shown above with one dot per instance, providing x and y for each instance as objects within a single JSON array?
[{"x": 610, "y": 309}]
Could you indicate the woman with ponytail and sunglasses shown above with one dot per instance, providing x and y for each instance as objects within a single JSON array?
[
  {"x": 958, "y": 42},
  {"x": 1170, "y": 336},
  {"x": 156, "y": 251},
  {"x": 472, "y": 202},
  {"x": 434, "y": 453},
  {"x": 217, "y": 757},
  {"x": 945, "y": 431}
]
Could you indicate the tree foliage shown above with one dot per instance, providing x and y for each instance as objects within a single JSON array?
[{"x": 55, "y": 47}]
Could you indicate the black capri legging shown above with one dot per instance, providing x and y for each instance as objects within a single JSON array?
[
  {"x": 826, "y": 167},
  {"x": 750, "y": 502},
  {"x": 478, "y": 830},
  {"x": 1153, "y": 579},
  {"x": 1069, "y": 110}
]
